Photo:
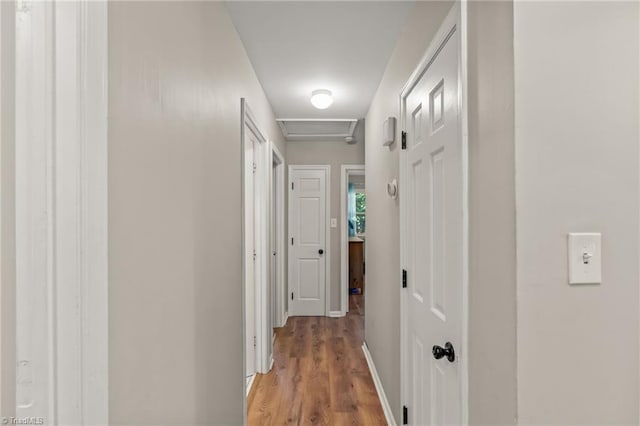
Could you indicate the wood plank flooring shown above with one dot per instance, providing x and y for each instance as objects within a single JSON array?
[{"x": 319, "y": 376}]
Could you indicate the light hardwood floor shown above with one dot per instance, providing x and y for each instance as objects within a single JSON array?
[{"x": 319, "y": 376}]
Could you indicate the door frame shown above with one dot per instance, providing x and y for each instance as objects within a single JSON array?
[
  {"x": 61, "y": 207},
  {"x": 278, "y": 158},
  {"x": 327, "y": 250},
  {"x": 455, "y": 20},
  {"x": 261, "y": 204},
  {"x": 346, "y": 171}
]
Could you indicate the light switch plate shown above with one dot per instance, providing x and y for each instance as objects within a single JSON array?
[
  {"x": 334, "y": 222},
  {"x": 585, "y": 258}
]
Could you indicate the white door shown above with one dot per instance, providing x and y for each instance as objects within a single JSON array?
[
  {"x": 307, "y": 235},
  {"x": 250, "y": 248},
  {"x": 433, "y": 238}
]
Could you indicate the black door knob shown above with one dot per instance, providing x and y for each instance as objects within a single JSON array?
[
  {"x": 320, "y": 251},
  {"x": 440, "y": 352}
]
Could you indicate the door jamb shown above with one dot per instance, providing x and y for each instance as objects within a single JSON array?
[
  {"x": 346, "y": 171},
  {"x": 62, "y": 211},
  {"x": 263, "y": 169},
  {"x": 278, "y": 158},
  {"x": 457, "y": 18},
  {"x": 327, "y": 273}
]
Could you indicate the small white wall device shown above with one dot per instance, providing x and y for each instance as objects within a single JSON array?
[
  {"x": 392, "y": 189},
  {"x": 585, "y": 259},
  {"x": 389, "y": 131}
]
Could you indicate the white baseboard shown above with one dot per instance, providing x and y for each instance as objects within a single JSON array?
[
  {"x": 284, "y": 320},
  {"x": 335, "y": 314},
  {"x": 376, "y": 381},
  {"x": 250, "y": 383}
]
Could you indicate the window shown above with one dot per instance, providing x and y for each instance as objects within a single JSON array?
[{"x": 361, "y": 205}]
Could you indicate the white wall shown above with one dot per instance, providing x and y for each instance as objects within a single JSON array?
[
  {"x": 492, "y": 224},
  {"x": 382, "y": 319},
  {"x": 335, "y": 154},
  {"x": 576, "y": 92},
  {"x": 177, "y": 72}
]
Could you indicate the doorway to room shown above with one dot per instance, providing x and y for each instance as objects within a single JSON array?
[
  {"x": 257, "y": 172},
  {"x": 353, "y": 238},
  {"x": 277, "y": 290}
]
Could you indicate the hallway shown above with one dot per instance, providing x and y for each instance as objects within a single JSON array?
[
  {"x": 197, "y": 198},
  {"x": 320, "y": 376}
]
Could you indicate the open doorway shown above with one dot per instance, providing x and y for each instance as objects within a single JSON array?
[
  {"x": 353, "y": 238},
  {"x": 277, "y": 289},
  {"x": 256, "y": 248}
]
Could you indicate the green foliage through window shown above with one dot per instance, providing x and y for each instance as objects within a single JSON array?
[
  {"x": 361, "y": 205},
  {"x": 361, "y": 202}
]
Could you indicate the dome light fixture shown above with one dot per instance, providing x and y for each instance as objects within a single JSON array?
[{"x": 321, "y": 98}]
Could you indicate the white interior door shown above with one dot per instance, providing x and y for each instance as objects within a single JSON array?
[
  {"x": 307, "y": 233},
  {"x": 250, "y": 255},
  {"x": 433, "y": 239}
]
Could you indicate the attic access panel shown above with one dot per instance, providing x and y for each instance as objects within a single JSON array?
[{"x": 295, "y": 129}]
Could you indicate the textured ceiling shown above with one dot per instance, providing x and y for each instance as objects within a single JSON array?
[{"x": 297, "y": 47}]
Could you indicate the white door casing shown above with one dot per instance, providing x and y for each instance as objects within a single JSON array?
[
  {"x": 255, "y": 180},
  {"x": 308, "y": 240},
  {"x": 61, "y": 212},
  {"x": 273, "y": 279},
  {"x": 434, "y": 233},
  {"x": 250, "y": 252},
  {"x": 278, "y": 236}
]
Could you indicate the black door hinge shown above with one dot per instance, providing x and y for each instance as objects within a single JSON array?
[
  {"x": 404, "y": 140},
  {"x": 291, "y": 240},
  {"x": 291, "y": 295},
  {"x": 404, "y": 278},
  {"x": 405, "y": 415},
  {"x": 292, "y": 186}
]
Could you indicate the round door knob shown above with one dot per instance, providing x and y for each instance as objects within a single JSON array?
[
  {"x": 447, "y": 351},
  {"x": 320, "y": 251}
]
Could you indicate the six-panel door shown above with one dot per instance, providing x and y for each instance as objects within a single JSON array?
[
  {"x": 307, "y": 222},
  {"x": 434, "y": 241}
]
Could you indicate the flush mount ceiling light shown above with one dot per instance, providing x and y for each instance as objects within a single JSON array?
[{"x": 321, "y": 98}]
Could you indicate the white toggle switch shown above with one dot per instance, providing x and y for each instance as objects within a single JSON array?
[
  {"x": 334, "y": 222},
  {"x": 585, "y": 261}
]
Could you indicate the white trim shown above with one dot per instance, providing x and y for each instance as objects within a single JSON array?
[
  {"x": 386, "y": 407},
  {"x": 249, "y": 385},
  {"x": 261, "y": 204},
  {"x": 261, "y": 244},
  {"x": 285, "y": 318},
  {"x": 336, "y": 314},
  {"x": 327, "y": 251},
  {"x": 455, "y": 20},
  {"x": 345, "y": 171},
  {"x": 277, "y": 157},
  {"x": 61, "y": 208},
  {"x": 464, "y": 115}
]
